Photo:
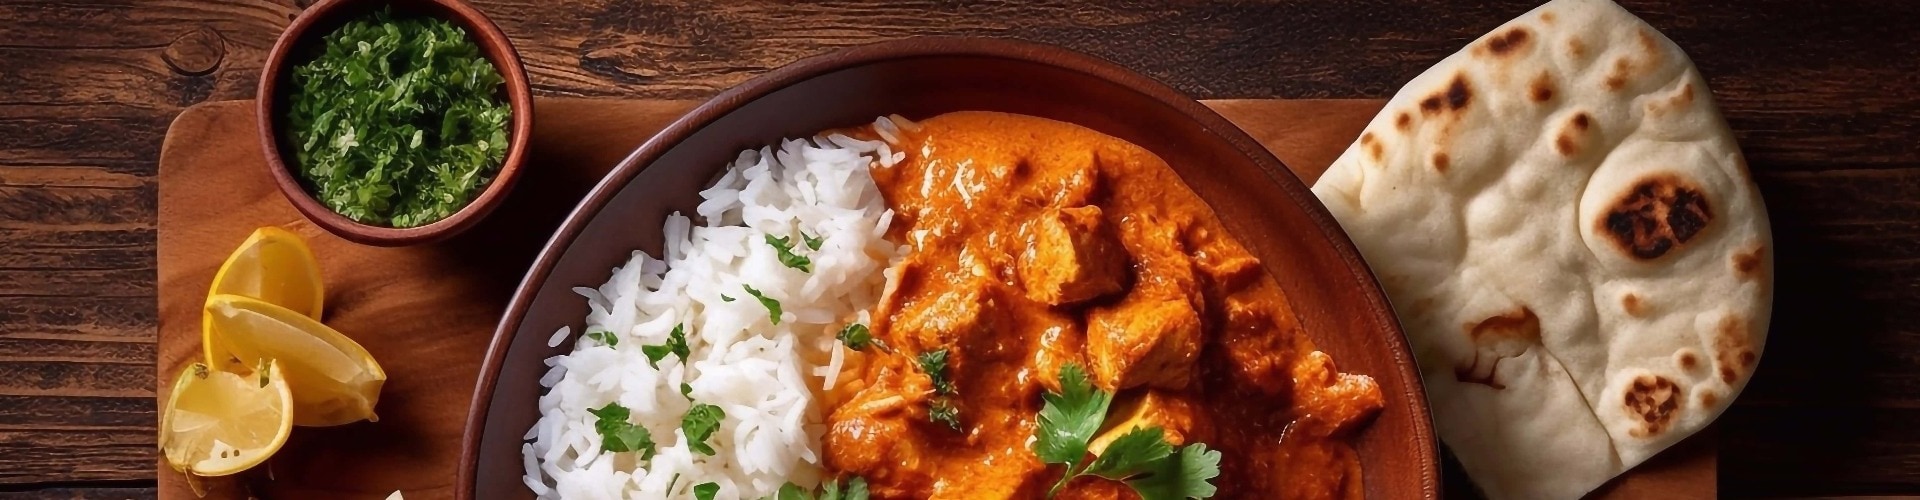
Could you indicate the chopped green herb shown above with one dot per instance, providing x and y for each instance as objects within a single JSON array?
[
  {"x": 705, "y": 491},
  {"x": 934, "y": 364},
  {"x": 792, "y": 491},
  {"x": 686, "y": 390},
  {"x": 604, "y": 337},
  {"x": 671, "y": 481},
  {"x": 676, "y": 345},
  {"x": 942, "y": 411},
  {"x": 725, "y": 298},
  {"x": 396, "y": 120},
  {"x": 855, "y": 337},
  {"x": 829, "y": 490},
  {"x": 773, "y": 306},
  {"x": 699, "y": 424},
  {"x": 1141, "y": 458},
  {"x": 783, "y": 246},
  {"x": 813, "y": 243},
  {"x": 619, "y": 436}
]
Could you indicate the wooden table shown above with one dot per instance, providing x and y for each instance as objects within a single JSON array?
[{"x": 1823, "y": 95}]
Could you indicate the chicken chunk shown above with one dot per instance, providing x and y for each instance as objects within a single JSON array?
[
  {"x": 1178, "y": 416},
  {"x": 966, "y": 309},
  {"x": 1072, "y": 256},
  {"x": 1147, "y": 339}
]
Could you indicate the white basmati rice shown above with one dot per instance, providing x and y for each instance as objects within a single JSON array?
[{"x": 762, "y": 375}]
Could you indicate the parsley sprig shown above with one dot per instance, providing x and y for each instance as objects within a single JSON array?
[
  {"x": 1142, "y": 458},
  {"x": 941, "y": 409},
  {"x": 857, "y": 337}
]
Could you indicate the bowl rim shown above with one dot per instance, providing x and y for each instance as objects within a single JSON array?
[
  {"x": 494, "y": 45},
  {"x": 1374, "y": 298}
]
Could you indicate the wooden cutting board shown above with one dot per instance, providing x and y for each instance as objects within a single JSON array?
[{"x": 427, "y": 312}]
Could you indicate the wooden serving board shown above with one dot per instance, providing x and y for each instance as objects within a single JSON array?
[{"x": 428, "y": 312}]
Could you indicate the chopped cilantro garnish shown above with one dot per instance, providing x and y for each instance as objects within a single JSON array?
[
  {"x": 725, "y": 298},
  {"x": 829, "y": 490},
  {"x": 617, "y": 435},
  {"x": 604, "y": 337},
  {"x": 1141, "y": 458},
  {"x": 676, "y": 345},
  {"x": 686, "y": 390},
  {"x": 942, "y": 411},
  {"x": 813, "y": 242},
  {"x": 934, "y": 364},
  {"x": 699, "y": 424},
  {"x": 783, "y": 246},
  {"x": 773, "y": 306},
  {"x": 396, "y": 120},
  {"x": 705, "y": 491},
  {"x": 855, "y": 337}
]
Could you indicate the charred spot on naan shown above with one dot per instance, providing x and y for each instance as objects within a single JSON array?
[
  {"x": 1456, "y": 97},
  {"x": 1660, "y": 213},
  {"x": 1404, "y": 122},
  {"x": 1632, "y": 305},
  {"x": 1572, "y": 137},
  {"x": 1441, "y": 162},
  {"x": 1374, "y": 149},
  {"x": 1541, "y": 89},
  {"x": 1746, "y": 263},
  {"x": 1626, "y": 69},
  {"x": 1498, "y": 337},
  {"x": 1505, "y": 44},
  {"x": 1686, "y": 360},
  {"x": 1708, "y": 399},
  {"x": 1653, "y": 400},
  {"x": 1733, "y": 349}
]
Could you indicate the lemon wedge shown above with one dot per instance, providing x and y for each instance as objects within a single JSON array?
[
  {"x": 334, "y": 380},
  {"x": 272, "y": 265},
  {"x": 220, "y": 423}
]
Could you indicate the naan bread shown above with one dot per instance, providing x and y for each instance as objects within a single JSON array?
[{"x": 1571, "y": 238}]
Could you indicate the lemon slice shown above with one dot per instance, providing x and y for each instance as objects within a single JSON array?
[
  {"x": 334, "y": 380},
  {"x": 272, "y": 265},
  {"x": 219, "y": 423}
]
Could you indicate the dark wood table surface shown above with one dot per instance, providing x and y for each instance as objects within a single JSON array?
[{"x": 1824, "y": 96}]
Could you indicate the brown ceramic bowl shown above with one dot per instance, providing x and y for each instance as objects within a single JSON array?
[
  {"x": 1260, "y": 201},
  {"x": 295, "y": 47}
]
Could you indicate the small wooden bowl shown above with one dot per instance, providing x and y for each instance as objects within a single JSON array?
[
  {"x": 325, "y": 17},
  {"x": 1337, "y": 301}
]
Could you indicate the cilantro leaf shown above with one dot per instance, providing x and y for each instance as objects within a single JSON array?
[
  {"x": 1069, "y": 419},
  {"x": 676, "y": 345},
  {"x": 1132, "y": 453},
  {"x": 686, "y": 390},
  {"x": 812, "y": 241},
  {"x": 699, "y": 424},
  {"x": 934, "y": 364},
  {"x": 725, "y": 298},
  {"x": 619, "y": 436},
  {"x": 855, "y": 336},
  {"x": 773, "y": 306},
  {"x": 942, "y": 411},
  {"x": 1186, "y": 474},
  {"x": 705, "y": 491},
  {"x": 604, "y": 337},
  {"x": 856, "y": 489},
  {"x": 783, "y": 246},
  {"x": 792, "y": 491}
]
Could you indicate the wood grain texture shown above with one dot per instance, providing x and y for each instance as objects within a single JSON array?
[{"x": 1824, "y": 97}]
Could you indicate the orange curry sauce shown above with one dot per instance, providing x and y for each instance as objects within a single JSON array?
[{"x": 1036, "y": 243}]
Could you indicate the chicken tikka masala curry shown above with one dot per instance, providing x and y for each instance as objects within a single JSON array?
[{"x": 1033, "y": 245}]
